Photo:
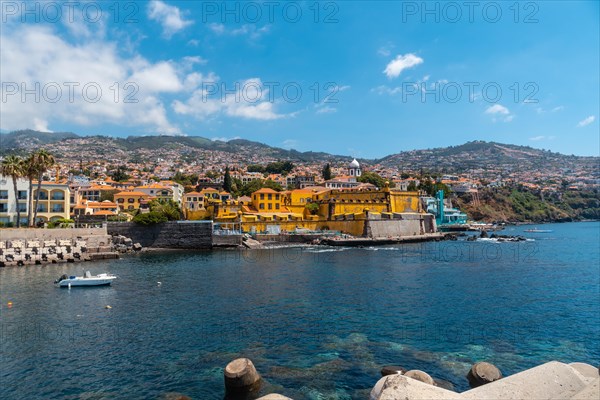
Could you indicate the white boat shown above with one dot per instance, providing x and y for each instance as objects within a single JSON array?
[
  {"x": 86, "y": 280},
  {"x": 536, "y": 230}
]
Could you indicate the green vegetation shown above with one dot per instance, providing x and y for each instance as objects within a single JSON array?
[
  {"x": 60, "y": 223},
  {"x": 150, "y": 218},
  {"x": 120, "y": 174},
  {"x": 227, "y": 181},
  {"x": 374, "y": 179},
  {"x": 185, "y": 180},
  {"x": 326, "y": 173},
  {"x": 313, "y": 208},
  {"x": 160, "y": 211},
  {"x": 277, "y": 167},
  {"x": 519, "y": 204}
]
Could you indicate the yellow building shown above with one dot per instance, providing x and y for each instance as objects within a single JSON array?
[
  {"x": 267, "y": 200},
  {"x": 54, "y": 202},
  {"x": 193, "y": 206},
  {"x": 131, "y": 201}
]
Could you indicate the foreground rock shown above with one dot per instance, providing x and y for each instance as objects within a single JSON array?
[
  {"x": 241, "y": 377},
  {"x": 274, "y": 396},
  {"x": 420, "y": 376},
  {"x": 482, "y": 373},
  {"x": 553, "y": 380},
  {"x": 392, "y": 370}
]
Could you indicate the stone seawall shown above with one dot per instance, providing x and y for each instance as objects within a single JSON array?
[
  {"x": 169, "y": 235},
  {"x": 20, "y": 247}
]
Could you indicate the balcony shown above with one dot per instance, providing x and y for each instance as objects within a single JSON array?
[
  {"x": 58, "y": 197},
  {"x": 56, "y": 209}
]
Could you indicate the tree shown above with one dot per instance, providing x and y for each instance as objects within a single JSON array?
[
  {"x": 313, "y": 208},
  {"x": 42, "y": 161},
  {"x": 326, "y": 173},
  {"x": 120, "y": 174},
  {"x": 372, "y": 178},
  {"x": 412, "y": 187},
  {"x": 13, "y": 166},
  {"x": 227, "y": 182},
  {"x": 30, "y": 172}
]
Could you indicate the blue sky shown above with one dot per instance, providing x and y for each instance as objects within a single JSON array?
[{"x": 365, "y": 79}]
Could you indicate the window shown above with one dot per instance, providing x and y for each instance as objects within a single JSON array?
[
  {"x": 277, "y": 206},
  {"x": 22, "y": 195},
  {"x": 3, "y": 208},
  {"x": 42, "y": 208},
  {"x": 130, "y": 207},
  {"x": 262, "y": 196},
  {"x": 131, "y": 200},
  {"x": 270, "y": 196},
  {"x": 58, "y": 196},
  {"x": 23, "y": 207},
  {"x": 58, "y": 208},
  {"x": 270, "y": 206},
  {"x": 262, "y": 206},
  {"x": 3, "y": 194},
  {"x": 277, "y": 197},
  {"x": 121, "y": 200}
]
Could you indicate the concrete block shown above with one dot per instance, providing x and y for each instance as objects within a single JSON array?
[
  {"x": 2, "y": 244},
  {"x": 49, "y": 243},
  {"x": 17, "y": 244},
  {"x": 590, "y": 392},
  {"x": 64, "y": 242},
  {"x": 587, "y": 370},
  {"x": 394, "y": 387},
  {"x": 553, "y": 380},
  {"x": 33, "y": 243}
]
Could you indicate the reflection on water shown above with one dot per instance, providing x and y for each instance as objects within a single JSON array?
[{"x": 317, "y": 322}]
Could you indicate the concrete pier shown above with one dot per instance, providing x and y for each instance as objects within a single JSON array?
[{"x": 553, "y": 380}]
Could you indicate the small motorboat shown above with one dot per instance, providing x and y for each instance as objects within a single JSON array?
[
  {"x": 535, "y": 230},
  {"x": 86, "y": 280}
]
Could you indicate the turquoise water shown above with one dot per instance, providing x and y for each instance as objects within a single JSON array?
[{"x": 318, "y": 322}]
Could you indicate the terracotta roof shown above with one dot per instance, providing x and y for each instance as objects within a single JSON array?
[
  {"x": 105, "y": 212},
  {"x": 266, "y": 190},
  {"x": 131, "y": 194}
]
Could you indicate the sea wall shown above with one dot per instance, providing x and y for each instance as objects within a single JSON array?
[
  {"x": 171, "y": 235},
  {"x": 24, "y": 246},
  {"x": 405, "y": 224}
]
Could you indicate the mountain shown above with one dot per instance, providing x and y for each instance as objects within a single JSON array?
[
  {"x": 28, "y": 138},
  {"x": 477, "y": 155},
  {"x": 487, "y": 160}
]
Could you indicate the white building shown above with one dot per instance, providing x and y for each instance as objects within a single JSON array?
[{"x": 54, "y": 202}]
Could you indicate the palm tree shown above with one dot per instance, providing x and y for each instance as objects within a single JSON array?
[
  {"x": 31, "y": 173},
  {"x": 13, "y": 166},
  {"x": 43, "y": 161}
]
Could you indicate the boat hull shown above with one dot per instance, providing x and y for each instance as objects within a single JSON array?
[{"x": 100, "y": 280}]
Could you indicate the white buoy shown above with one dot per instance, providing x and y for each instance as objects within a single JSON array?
[
  {"x": 69, "y": 285},
  {"x": 159, "y": 283}
]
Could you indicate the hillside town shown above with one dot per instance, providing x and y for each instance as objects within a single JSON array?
[{"x": 92, "y": 179}]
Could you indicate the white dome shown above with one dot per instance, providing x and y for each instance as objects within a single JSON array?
[{"x": 354, "y": 164}]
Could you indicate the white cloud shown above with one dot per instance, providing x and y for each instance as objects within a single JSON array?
[
  {"x": 40, "y": 125},
  {"x": 289, "y": 144},
  {"x": 248, "y": 102},
  {"x": 36, "y": 55},
  {"x": 326, "y": 110},
  {"x": 400, "y": 63},
  {"x": 541, "y": 137},
  {"x": 224, "y": 139},
  {"x": 170, "y": 17},
  {"x": 249, "y": 30},
  {"x": 586, "y": 121},
  {"x": 498, "y": 110}
]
